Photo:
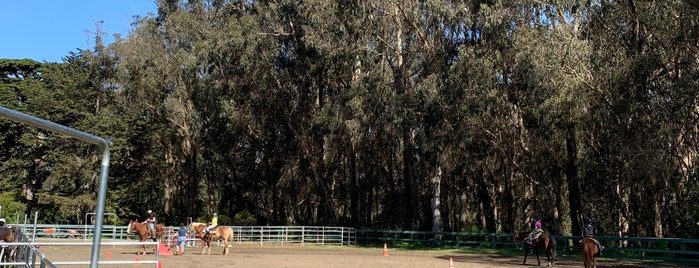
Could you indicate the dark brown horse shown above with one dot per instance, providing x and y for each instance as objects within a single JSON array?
[
  {"x": 221, "y": 232},
  {"x": 8, "y": 235},
  {"x": 545, "y": 242},
  {"x": 143, "y": 232},
  {"x": 589, "y": 251}
]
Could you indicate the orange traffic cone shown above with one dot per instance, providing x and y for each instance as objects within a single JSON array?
[
  {"x": 451, "y": 262},
  {"x": 385, "y": 250},
  {"x": 108, "y": 255},
  {"x": 160, "y": 264},
  {"x": 136, "y": 264}
]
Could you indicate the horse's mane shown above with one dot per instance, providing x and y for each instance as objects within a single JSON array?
[{"x": 195, "y": 224}]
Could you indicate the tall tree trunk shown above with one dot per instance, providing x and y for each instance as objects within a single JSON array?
[
  {"x": 409, "y": 181},
  {"x": 571, "y": 170},
  {"x": 436, "y": 196},
  {"x": 658, "y": 204},
  {"x": 356, "y": 189},
  {"x": 400, "y": 82}
]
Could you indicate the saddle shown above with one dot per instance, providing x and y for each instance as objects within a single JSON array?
[
  {"x": 536, "y": 235},
  {"x": 533, "y": 237},
  {"x": 213, "y": 230}
]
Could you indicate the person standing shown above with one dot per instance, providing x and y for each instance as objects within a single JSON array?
[{"x": 181, "y": 238}]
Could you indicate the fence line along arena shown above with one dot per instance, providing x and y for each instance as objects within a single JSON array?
[{"x": 268, "y": 246}]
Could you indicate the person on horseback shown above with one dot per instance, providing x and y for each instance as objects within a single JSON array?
[
  {"x": 212, "y": 224},
  {"x": 535, "y": 233},
  {"x": 151, "y": 221},
  {"x": 589, "y": 231}
]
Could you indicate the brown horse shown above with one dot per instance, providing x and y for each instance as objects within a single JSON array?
[
  {"x": 545, "y": 242},
  {"x": 8, "y": 235},
  {"x": 221, "y": 232},
  {"x": 589, "y": 251},
  {"x": 144, "y": 232}
]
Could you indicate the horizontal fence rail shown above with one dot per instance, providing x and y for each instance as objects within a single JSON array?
[
  {"x": 667, "y": 249},
  {"x": 434, "y": 239},
  {"x": 316, "y": 235}
]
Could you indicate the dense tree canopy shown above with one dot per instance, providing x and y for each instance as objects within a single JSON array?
[{"x": 427, "y": 115}]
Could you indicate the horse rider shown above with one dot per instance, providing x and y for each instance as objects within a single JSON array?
[
  {"x": 536, "y": 232},
  {"x": 589, "y": 232},
  {"x": 212, "y": 224},
  {"x": 151, "y": 221}
]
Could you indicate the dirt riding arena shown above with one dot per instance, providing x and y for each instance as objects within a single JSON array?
[{"x": 305, "y": 256}]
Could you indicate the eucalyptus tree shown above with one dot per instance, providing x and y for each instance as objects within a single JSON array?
[
  {"x": 645, "y": 128},
  {"x": 158, "y": 75}
]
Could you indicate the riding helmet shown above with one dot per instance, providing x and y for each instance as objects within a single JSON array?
[{"x": 588, "y": 221}]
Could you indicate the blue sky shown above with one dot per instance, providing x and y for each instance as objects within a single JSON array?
[{"x": 47, "y": 30}]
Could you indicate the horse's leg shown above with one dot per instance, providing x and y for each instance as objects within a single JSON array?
[
  {"x": 225, "y": 246},
  {"x": 594, "y": 262},
  {"x": 526, "y": 252},
  {"x": 536, "y": 251}
]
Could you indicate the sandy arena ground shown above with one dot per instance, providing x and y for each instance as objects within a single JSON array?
[{"x": 300, "y": 256}]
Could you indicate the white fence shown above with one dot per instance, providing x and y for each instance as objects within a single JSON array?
[
  {"x": 314, "y": 235},
  {"x": 25, "y": 252}
]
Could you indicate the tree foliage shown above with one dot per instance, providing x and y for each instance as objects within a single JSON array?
[{"x": 431, "y": 115}]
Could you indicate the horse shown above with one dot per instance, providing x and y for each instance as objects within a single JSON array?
[
  {"x": 589, "y": 251},
  {"x": 144, "y": 232},
  {"x": 7, "y": 235},
  {"x": 545, "y": 242},
  {"x": 222, "y": 232}
]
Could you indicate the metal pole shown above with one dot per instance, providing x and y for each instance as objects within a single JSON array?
[
  {"x": 71, "y": 132},
  {"x": 36, "y": 218}
]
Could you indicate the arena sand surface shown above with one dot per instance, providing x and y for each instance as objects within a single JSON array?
[{"x": 305, "y": 256}]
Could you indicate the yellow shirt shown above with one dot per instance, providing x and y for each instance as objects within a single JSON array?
[{"x": 214, "y": 221}]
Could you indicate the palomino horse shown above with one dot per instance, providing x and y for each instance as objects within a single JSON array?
[
  {"x": 589, "y": 251},
  {"x": 221, "y": 232},
  {"x": 545, "y": 242},
  {"x": 144, "y": 232}
]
